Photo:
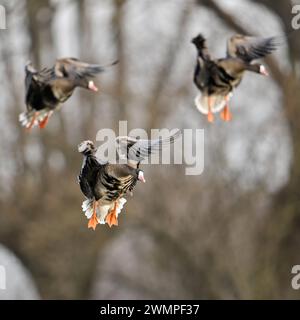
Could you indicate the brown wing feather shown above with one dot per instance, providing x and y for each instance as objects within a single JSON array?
[
  {"x": 250, "y": 48},
  {"x": 72, "y": 68}
]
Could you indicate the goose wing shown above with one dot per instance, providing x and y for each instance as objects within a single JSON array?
[
  {"x": 137, "y": 150},
  {"x": 74, "y": 68},
  {"x": 250, "y": 48}
]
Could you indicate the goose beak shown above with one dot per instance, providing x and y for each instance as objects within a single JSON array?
[
  {"x": 263, "y": 71},
  {"x": 92, "y": 86},
  {"x": 141, "y": 177}
]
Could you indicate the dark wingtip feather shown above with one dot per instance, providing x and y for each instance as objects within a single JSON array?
[
  {"x": 270, "y": 45},
  {"x": 273, "y": 43},
  {"x": 114, "y": 63},
  {"x": 170, "y": 139},
  {"x": 175, "y": 136},
  {"x": 93, "y": 69},
  {"x": 278, "y": 41}
]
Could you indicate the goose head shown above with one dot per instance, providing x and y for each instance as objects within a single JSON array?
[{"x": 86, "y": 147}]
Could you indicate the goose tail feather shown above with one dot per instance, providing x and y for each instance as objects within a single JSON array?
[
  {"x": 32, "y": 118},
  {"x": 217, "y": 103}
]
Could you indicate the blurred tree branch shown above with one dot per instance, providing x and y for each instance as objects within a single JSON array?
[
  {"x": 157, "y": 111},
  {"x": 119, "y": 30}
]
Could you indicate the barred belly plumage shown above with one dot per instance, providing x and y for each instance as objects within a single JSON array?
[{"x": 115, "y": 188}]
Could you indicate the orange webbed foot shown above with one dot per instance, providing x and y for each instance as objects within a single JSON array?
[
  {"x": 226, "y": 114},
  {"x": 210, "y": 117},
  {"x": 111, "y": 219},
  {"x": 93, "y": 220},
  {"x": 31, "y": 124},
  {"x": 43, "y": 123}
]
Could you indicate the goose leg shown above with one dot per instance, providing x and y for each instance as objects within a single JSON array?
[
  {"x": 226, "y": 114},
  {"x": 43, "y": 123},
  {"x": 31, "y": 124},
  {"x": 94, "y": 220},
  {"x": 111, "y": 219},
  {"x": 210, "y": 116}
]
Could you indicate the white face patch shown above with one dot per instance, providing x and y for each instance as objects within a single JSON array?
[{"x": 85, "y": 145}]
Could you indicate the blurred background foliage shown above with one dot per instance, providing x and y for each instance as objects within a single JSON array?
[{"x": 233, "y": 232}]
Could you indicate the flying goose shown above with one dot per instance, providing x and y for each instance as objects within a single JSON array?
[
  {"x": 216, "y": 78},
  {"x": 46, "y": 89},
  {"x": 105, "y": 184}
]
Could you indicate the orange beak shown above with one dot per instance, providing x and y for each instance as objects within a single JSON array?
[
  {"x": 92, "y": 86},
  {"x": 141, "y": 177},
  {"x": 263, "y": 71}
]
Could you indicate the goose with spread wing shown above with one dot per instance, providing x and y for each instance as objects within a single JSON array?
[
  {"x": 46, "y": 89},
  {"x": 216, "y": 78},
  {"x": 105, "y": 184}
]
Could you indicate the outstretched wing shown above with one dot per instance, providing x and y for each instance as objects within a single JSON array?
[
  {"x": 138, "y": 150},
  {"x": 73, "y": 68},
  {"x": 250, "y": 48}
]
